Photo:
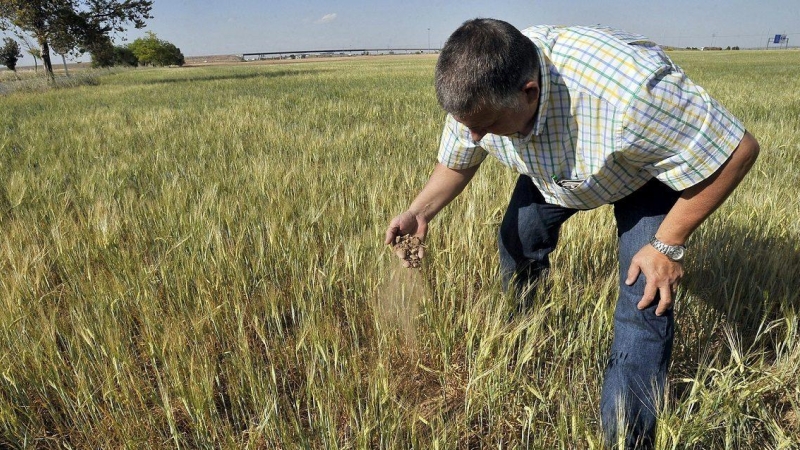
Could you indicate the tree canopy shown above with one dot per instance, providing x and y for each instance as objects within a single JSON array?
[
  {"x": 71, "y": 26},
  {"x": 152, "y": 51},
  {"x": 106, "y": 54}
]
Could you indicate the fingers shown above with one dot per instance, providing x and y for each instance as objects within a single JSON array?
[
  {"x": 661, "y": 278},
  {"x": 666, "y": 297},
  {"x": 650, "y": 290},
  {"x": 400, "y": 225},
  {"x": 396, "y": 228},
  {"x": 391, "y": 234},
  {"x": 633, "y": 273},
  {"x": 666, "y": 300}
]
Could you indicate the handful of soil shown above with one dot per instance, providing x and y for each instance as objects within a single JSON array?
[{"x": 407, "y": 248}]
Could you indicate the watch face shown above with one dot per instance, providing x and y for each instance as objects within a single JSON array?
[{"x": 677, "y": 253}]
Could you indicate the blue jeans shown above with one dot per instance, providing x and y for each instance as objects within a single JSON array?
[{"x": 642, "y": 345}]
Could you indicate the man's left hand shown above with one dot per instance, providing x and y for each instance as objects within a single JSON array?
[{"x": 662, "y": 276}]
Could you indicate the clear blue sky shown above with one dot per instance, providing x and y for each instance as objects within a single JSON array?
[{"x": 210, "y": 27}]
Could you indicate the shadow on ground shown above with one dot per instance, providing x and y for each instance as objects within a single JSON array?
[
  {"x": 746, "y": 278},
  {"x": 740, "y": 283},
  {"x": 188, "y": 77}
]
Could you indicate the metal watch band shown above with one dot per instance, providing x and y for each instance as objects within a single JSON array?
[{"x": 673, "y": 252}]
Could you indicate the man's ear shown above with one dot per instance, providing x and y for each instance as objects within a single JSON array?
[{"x": 531, "y": 90}]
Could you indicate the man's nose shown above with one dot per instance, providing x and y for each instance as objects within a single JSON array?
[{"x": 477, "y": 134}]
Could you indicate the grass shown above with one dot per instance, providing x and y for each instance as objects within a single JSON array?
[
  {"x": 31, "y": 82},
  {"x": 193, "y": 258}
]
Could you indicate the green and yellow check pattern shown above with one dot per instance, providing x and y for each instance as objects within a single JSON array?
[{"x": 614, "y": 113}]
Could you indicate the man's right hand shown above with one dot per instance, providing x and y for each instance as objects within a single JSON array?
[
  {"x": 407, "y": 223},
  {"x": 442, "y": 187}
]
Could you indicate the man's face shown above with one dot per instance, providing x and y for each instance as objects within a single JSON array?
[{"x": 506, "y": 121}]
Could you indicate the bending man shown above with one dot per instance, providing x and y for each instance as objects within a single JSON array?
[{"x": 588, "y": 117}]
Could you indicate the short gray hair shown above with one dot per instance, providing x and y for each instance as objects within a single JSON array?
[{"x": 484, "y": 64}]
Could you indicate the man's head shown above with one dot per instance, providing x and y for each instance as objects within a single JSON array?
[{"x": 487, "y": 77}]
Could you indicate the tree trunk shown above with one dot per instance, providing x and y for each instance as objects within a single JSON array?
[
  {"x": 35, "y": 65},
  {"x": 64, "y": 61},
  {"x": 48, "y": 66}
]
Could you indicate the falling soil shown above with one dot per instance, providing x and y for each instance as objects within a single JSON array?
[
  {"x": 398, "y": 305},
  {"x": 400, "y": 296},
  {"x": 417, "y": 380}
]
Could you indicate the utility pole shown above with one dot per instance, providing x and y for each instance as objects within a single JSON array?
[{"x": 429, "y": 39}]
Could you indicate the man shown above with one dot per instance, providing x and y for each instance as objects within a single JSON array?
[{"x": 588, "y": 116}]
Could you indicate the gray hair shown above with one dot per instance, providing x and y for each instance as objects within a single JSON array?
[{"x": 484, "y": 64}]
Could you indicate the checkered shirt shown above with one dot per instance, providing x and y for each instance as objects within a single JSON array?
[{"x": 614, "y": 112}]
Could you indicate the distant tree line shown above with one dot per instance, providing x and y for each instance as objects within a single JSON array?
[
  {"x": 670, "y": 48},
  {"x": 713, "y": 48}
]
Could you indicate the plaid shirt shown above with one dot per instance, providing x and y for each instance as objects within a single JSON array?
[{"x": 614, "y": 112}]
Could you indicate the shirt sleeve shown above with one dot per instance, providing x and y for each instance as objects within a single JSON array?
[
  {"x": 457, "y": 149},
  {"x": 675, "y": 131}
]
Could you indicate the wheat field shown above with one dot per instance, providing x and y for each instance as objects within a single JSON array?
[{"x": 193, "y": 258}]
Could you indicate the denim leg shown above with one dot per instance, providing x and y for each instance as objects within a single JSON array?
[
  {"x": 528, "y": 234},
  {"x": 642, "y": 346}
]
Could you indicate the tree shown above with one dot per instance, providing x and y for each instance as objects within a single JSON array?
[
  {"x": 106, "y": 54},
  {"x": 32, "y": 50},
  {"x": 153, "y": 51},
  {"x": 10, "y": 54},
  {"x": 102, "y": 53},
  {"x": 72, "y": 25},
  {"x": 61, "y": 44},
  {"x": 36, "y": 54},
  {"x": 123, "y": 56}
]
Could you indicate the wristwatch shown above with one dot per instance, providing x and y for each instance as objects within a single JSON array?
[{"x": 673, "y": 252}]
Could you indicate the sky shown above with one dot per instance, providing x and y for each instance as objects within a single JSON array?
[{"x": 208, "y": 27}]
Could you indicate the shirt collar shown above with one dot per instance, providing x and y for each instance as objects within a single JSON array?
[{"x": 544, "y": 94}]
